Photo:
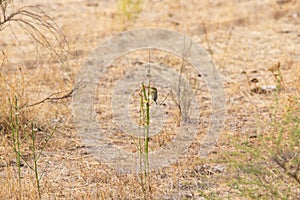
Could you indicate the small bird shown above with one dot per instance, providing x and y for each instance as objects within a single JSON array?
[{"x": 153, "y": 94}]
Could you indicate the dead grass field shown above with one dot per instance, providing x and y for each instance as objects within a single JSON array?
[{"x": 245, "y": 39}]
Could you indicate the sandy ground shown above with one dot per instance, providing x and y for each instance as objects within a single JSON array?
[{"x": 244, "y": 39}]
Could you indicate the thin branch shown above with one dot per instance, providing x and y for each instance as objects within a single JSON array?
[
  {"x": 51, "y": 98},
  {"x": 282, "y": 165},
  {"x": 38, "y": 25}
]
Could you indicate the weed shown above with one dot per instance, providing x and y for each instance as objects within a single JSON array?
[
  {"x": 130, "y": 8},
  {"x": 22, "y": 135},
  {"x": 21, "y": 132},
  {"x": 38, "y": 26},
  {"x": 145, "y": 103},
  {"x": 269, "y": 166}
]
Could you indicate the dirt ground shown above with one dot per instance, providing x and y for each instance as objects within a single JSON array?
[{"x": 244, "y": 39}]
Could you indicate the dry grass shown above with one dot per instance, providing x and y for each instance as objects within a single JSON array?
[{"x": 244, "y": 38}]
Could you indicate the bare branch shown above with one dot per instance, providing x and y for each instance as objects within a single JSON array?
[
  {"x": 38, "y": 25},
  {"x": 283, "y": 166},
  {"x": 51, "y": 98}
]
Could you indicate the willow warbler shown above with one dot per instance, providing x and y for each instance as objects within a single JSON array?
[{"x": 153, "y": 94}]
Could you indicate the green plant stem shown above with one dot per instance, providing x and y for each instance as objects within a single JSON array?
[
  {"x": 14, "y": 126},
  {"x": 35, "y": 160},
  {"x": 147, "y": 127},
  {"x": 140, "y": 135},
  {"x": 146, "y": 149}
]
